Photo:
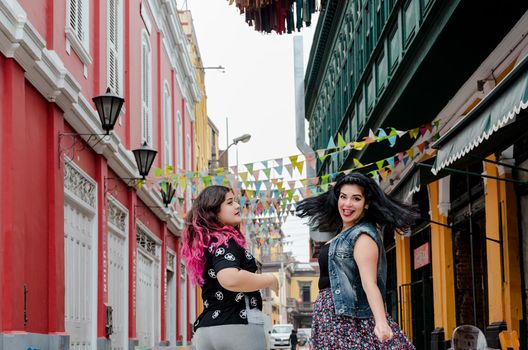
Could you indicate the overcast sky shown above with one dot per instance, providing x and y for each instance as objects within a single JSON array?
[{"x": 256, "y": 92}]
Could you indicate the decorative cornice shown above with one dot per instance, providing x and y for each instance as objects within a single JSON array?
[
  {"x": 47, "y": 73},
  {"x": 166, "y": 18}
]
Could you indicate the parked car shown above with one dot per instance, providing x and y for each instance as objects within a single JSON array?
[{"x": 280, "y": 336}]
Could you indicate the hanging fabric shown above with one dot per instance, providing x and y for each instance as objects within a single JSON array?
[{"x": 279, "y": 16}]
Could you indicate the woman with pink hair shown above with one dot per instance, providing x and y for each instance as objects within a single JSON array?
[{"x": 215, "y": 253}]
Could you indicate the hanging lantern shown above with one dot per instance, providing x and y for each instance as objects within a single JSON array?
[
  {"x": 144, "y": 159},
  {"x": 108, "y": 108}
]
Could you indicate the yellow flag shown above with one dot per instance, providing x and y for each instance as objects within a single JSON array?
[{"x": 340, "y": 141}]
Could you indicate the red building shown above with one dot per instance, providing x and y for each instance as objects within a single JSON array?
[{"x": 87, "y": 259}]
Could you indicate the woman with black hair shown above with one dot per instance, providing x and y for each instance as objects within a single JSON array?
[{"x": 350, "y": 309}]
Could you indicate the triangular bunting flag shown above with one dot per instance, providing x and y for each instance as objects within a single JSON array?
[
  {"x": 249, "y": 167},
  {"x": 381, "y": 134},
  {"x": 289, "y": 168},
  {"x": 413, "y": 133},
  {"x": 331, "y": 144},
  {"x": 267, "y": 172},
  {"x": 392, "y": 140},
  {"x": 300, "y": 166},
  {"x": 358, "y": 145},
  {"x": 390, "y": 160},
  {"x": 340, "y": 141},
  {"x": 293, "y": 160}
]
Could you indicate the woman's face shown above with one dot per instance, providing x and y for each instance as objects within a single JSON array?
[
  {"x": 230, "y": 211},
  {"x": 351, "y": 205}
]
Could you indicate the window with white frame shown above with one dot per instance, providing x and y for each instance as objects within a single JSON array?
[
  {"x": 188, "y": 153},
  {"x": 115, "y": 46},
  {"x": 188, "y": 161},
  {"x": 78, "y": 29},
  {"x": 146, "y": 89},
  {"x": 167, "y": 127},
  {"x": 179, "y": 140}
]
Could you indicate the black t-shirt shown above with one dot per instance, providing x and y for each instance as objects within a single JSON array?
[
  {"x": 324, "y": 276},
  {"x": 220, "y": 305}
]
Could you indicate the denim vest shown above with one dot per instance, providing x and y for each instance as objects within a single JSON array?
[{"x": 347, "y": 291}]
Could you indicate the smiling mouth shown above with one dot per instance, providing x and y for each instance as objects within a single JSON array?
[{"x": 347, "y": 213}]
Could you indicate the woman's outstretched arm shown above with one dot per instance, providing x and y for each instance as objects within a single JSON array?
[
  {"x": 237, "y": 280},
  {"x": 366, "y": 254}
]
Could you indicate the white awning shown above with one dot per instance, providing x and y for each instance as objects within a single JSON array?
[{"x": 500, "y": 108}]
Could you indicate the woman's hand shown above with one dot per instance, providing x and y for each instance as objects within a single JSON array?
[
  {"x": 383, "y": 331},
  {"x": 274, "y": 283}
]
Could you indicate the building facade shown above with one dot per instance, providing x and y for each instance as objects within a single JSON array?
[
  {"x": 206, "y": 133},
  {"x": 418, "y": 64},
  {"x": 90, "y": 259},
  {"x": 303, "y": 291}
]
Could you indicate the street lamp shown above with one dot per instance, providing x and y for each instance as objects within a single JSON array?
[
  {"x": 108, "y": 108},
  {"x": 220, "y": 68},
  {"x": 144, "y": 159},
  {"x": 242, "y": 138}
]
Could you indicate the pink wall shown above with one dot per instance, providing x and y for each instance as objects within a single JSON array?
[{"x": 32, "y": 195}]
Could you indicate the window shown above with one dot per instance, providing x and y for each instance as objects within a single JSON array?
[
  {"x": 371, "y": 94},
  {"x": 352, "y": 129},
  {"x": 409, "y": 20},
  {"x": 351, "y": 82},
  {"x": 188, "y": 153},
  {"x": 361, "y": 112},
  {"x": 338, "y": 98},
  {"x": 359, "y": 50},
  {"x": 167, "y": 127},
  {"x": 424, "y": 6},
  {"x": 179, "y": 140},
  {"x": 305, "y": 292},
  {"x": 146, "y": 89},
  {"x": 346, "y": 137},
  {"x": 380, "y": 18},
  {"x": 78, "y": 29},
  {"x": 381, "y": 72},
  {"x": 394, "y": 48},
  {"x": 115, "y": 46},
  {"x": 188, "y": 161}
]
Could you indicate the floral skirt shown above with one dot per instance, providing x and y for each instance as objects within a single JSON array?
[{"x": 333, "y": 332}]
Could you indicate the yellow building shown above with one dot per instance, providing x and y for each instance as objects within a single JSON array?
[
  {"x": 467, "y": 256},
  {"x": 205, "y": 132},
  {"x": 302, "y": 293}
]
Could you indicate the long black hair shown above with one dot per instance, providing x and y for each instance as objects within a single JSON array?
[{"x": 384, "y": 211}]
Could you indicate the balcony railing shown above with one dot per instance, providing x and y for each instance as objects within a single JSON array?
[
  {"x": 305, "y": 307},
  {"x": 301, "y": 307}
]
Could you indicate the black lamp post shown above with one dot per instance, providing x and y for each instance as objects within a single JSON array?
[
  {"x": 108, "y": 107},
  {"x": 144, "y": 159}
]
